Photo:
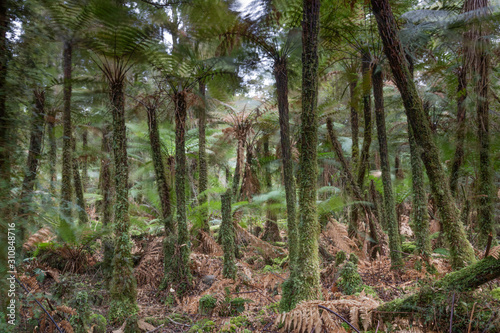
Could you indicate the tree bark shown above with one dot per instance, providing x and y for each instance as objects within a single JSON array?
[
  {"x": 107, "y": 200},
  {"x": 281, "y": 78},
  {"x": 123, "y": 283},
  {"x": 202, "y": 160},
  {"x": 367, "y": 114},
  {"x": 66, "y": 188},
  {"x": 159, "y": 167},
  {"x": 460, "y": 249},
  {"x": 271, "y": 230},
  {"x": 227, "y": 236},
  {"x": 309, "y": 286},
  {"x": 389, "y": 205},
  {"x": 485, "y": 190},
  {"x": 85, "y": 165},
  {"x": 354, "y": 120},
  {"x": 78, "y": 186},
  {"x": 183, "y": 274},
  {"x": 51, "y": 119}
]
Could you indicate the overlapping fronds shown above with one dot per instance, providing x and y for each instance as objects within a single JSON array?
[
  {"x": 43, "y": 235},
  {"x": 338, "y": 236},
  {"x": 67, "y": 18},
  {"x": 208, "y": 245},
  {"x": 308, "y": 315}
]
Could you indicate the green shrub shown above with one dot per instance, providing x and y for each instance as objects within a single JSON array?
[
  {"x": 340, "y": 257},
  {"x": 98, "y": 322},
  {"x": 350, "y": 281}
]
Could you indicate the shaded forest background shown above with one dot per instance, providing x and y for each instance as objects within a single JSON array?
[{"x": 217, "y": 166}]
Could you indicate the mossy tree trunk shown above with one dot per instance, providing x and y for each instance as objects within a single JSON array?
[
  {"x": 367, "y": 116},
  {"x": 281, "y": 78},
  {"x": 66, "y": 189},
  {"x": 271, "y": 230},
  {"x": 202, "y": 159},
  {"x": 33, "y": 161},
  {"x": 85, "y": 158},
  {"x": 183, "y": 247},
  {"x": 420, "y": 215},
  {"x": 240, "y": 136},
  {"x": 227, "y": 236},
  {"x": 123, "y": 283},
  {"x": 78, "y": 186},
  {"x": 458, "y": 158},
  {"x": 485, "y": 190},
  {"x": 159, "y": 167},
  {"x": 354, "y": 118},
  {"x": 107, "y": 200},
  {"x": 308, "y": 283},
  {"x": 51, "y": 119},
  {"x": 389, "y": 204},
  {"x": 460, "y": 249}
]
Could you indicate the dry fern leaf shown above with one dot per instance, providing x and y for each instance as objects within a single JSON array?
[
  {"x": 66, "y": 326},
  {"x": 66, "y": 309},
  {"x": 269, "y": 251},
  {"x": 150, "y": 269},
  {"x": 337, "y": 233},
  {"x": 43, "y": 235},
  {"x": 495, "y": 252},
  {"x": 208, "y": 245}
]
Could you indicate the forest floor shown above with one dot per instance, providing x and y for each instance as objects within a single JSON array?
[{"x": 214, "y": 304}]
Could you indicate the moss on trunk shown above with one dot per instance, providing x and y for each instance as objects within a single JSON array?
[
  {"x": 281, "y": 77},
  {"x": 202, "y": 160},
  {"x": 460, "y": 249},
  {"x": 123, "y": 283},
  {"x": 78, "y": 186},
  {"x": 51, "y": 119},
  {"x": 227, "y": 236},
  {"x": 107, "y": 201},
  {"x": 271, "y": 230},
  {"x": 307, "y": 282},
  {"x": 66, "y": 189},
  {"x": 389, "y": 204}
]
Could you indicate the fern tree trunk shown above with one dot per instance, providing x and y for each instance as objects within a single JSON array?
[
  {"x": 420, "y": 214},
  {"x": 460, "y": 249},
  {"x": 33, "y": 161},
  {"x": 183, "y": 247},
  {"x": 123, "y": 283},
  {"x": 85, "y": 164},
  {"x": 227, "y": 236},
  {"x": 202, "y": 159},
  {"x": 51, "y": 119},
  {"x": 78, "y": 185},
  {"x": 389, "y": 204},
  {"x": 239, "y": 161},
  {"x": 485, "y": 189},
  {"x": 308, "y": 282},
  {"x": 66, "y": 189},
  {"x": 107, "y": 201},
  {"x": 161, "y": 178},
  {"x": 281, "y": 77},
  {"x": 271, "y": 230},
  {"x": 354, "y": 118}
]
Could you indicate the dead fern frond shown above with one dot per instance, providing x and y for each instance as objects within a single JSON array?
[
  {"x": 495, "y": 252},
  {"x": 208, "y": 245},
  {"x": 66, "y": 309},
  {"x": 264, "y": 248},
  {"x": 337, "y": 233},
  {"x": 43, "y": 235},
  {"x": 308, "y": 315},
  {"x": 66, "y": 326},
  {"x": 150, "y": 269}
]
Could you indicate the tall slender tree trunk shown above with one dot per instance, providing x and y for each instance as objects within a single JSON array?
[
  {"x": 227, "y": 235},
  {"x": 107, "y": 200},
  {"x": 354, "y": 119},
  {"x": 202, "y": 159},
  {"x": 458, "y": 158},
  {"x": 281, "y": 77},
  {"x": 85, "y": 158},
  {"x": 420, "y": 214},
  {"x": 271, "y": 230},
  {"x": 309, "y": 286},
  {"x": 78, "y": 186},
  {"x": 239, "y": 161},
  {"x": 33, "y": 161},
  {"x": 51, "y": 119},
  {"x": 389, "y": 204},
  {"x": 183, "y": 273},
  {"x": 367, "y": 115},
  {"x": 161, "y": 178},
  {"x": 460, "y": 249},
  {"x": 485, "y": 189},
  {"x": 123, "y": 283},
  {"x": 66, "y": 189}
]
